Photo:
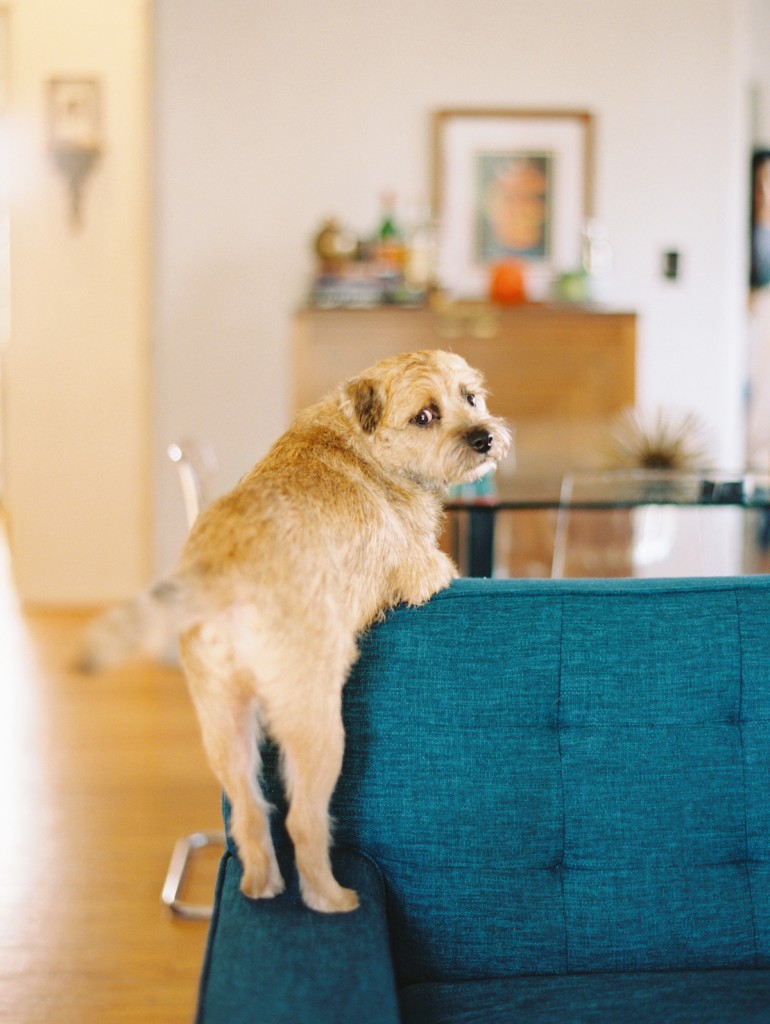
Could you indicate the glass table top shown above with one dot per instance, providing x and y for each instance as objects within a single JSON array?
[{"x": 613, "y": 489}]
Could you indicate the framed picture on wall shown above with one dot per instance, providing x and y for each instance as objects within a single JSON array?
[
  {"x": 510, "y": 185},
  {"x": 760, "y": 219}
]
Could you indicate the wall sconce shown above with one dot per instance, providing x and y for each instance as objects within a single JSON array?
[{"x": 74, "y": 134}]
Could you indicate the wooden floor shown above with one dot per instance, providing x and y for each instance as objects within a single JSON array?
[{"x": 100, "y": 776}]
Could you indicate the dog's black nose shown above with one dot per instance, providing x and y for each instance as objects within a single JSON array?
[{"x": 480, "y": 441}]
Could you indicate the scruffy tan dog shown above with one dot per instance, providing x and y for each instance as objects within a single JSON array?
[{"x": 338, "y": 523}]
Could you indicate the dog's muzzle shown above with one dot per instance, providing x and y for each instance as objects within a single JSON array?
[{"x": 480, "y": 440}]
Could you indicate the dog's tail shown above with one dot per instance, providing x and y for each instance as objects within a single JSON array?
[{"x": 145, "y": 625}]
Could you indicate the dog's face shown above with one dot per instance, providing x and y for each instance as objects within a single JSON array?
[{"x": 424, "y": 415}]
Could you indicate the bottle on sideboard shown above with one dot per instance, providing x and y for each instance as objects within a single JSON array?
[{"x": 390, "y": 247}]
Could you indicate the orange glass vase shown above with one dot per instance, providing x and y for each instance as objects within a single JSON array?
[{"x": 506, "y": 283}]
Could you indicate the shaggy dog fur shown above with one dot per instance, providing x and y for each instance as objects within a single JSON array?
[{"x": 338, "y": 523}]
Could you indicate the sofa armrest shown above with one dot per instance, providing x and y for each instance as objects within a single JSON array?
[{"x": 276, "y": 961}]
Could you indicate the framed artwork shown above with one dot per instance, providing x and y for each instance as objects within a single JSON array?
[
  {"x": 760, "y": 219},
  {"x": 510, "y": 185}
]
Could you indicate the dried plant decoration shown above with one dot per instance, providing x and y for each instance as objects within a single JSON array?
[{"x": 661, "y": 440}]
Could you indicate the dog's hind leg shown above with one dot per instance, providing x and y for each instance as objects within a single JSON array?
[
  {"x": 227, "y": 713},
  {"x": 312, "y": 740}
]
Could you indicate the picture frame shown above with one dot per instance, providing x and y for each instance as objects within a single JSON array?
[
  {"x": 510, "y": 185},
  {"x": 759, "y": 220}
]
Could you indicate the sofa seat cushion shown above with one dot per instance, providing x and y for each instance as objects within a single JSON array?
[{"x": 677, "y": 997}]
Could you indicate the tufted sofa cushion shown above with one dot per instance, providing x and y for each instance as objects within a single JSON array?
[
  {"x": 567, "y": 777},
  {"x": 561, "y": 778}
]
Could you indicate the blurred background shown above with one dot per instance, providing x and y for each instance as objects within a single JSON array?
[{"x": 148, "y": 292}]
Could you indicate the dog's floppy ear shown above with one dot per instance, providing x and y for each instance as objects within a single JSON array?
[{"x": 367, "y": 402}]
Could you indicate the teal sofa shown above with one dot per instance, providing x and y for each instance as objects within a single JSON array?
[{"x": 555, "y": 806}]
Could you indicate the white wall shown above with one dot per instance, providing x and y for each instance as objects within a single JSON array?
[
  {"x": 272, "y": 115},
  {"x": 759, "y": 56},
  {"x": 76, "y": 369}
]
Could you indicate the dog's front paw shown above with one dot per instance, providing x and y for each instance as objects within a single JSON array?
[
  {"x": 428, "y": 579},
  {"x": 445, "y": 572}
]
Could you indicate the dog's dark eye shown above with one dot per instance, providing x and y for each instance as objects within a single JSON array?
[
  {"x": 423, "y": 418},
  {"x": 470, "y": 399}
]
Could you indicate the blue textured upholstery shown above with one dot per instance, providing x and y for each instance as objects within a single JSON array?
[
  {"x": 263, "y": 965},
  {"x": 565, "y": 789},
  {"x": 687, "y": 997}
]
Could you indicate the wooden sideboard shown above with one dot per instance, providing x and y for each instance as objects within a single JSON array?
[{"x": 559, "y": 374}]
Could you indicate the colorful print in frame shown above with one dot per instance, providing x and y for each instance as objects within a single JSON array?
[{"x": 510, "y": 185}]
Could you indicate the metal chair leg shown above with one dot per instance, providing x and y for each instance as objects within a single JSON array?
[
  {"x": 181, "y": 858},
  {"x": 189, "y": 457}
]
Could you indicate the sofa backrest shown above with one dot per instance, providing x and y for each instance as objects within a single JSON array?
[{"x": 566, "y": 776}]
